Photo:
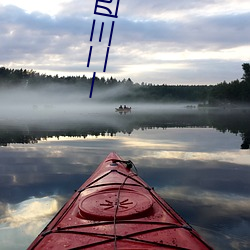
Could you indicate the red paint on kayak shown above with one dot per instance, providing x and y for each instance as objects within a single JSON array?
[{"x": 116, "y": 209}]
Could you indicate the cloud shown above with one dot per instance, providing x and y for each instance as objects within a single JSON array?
[
  {"x": 181, "y": 10},
  {"x": 233, "y": 204},
  {"x": 28, "y": 211},
  {"x": 153, "y": 42},
  {"x": 199, "y": 33},
  {"x": 26, "y": 220}
]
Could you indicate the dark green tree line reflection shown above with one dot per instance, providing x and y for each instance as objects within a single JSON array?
[{"x": 236, "y": 122}]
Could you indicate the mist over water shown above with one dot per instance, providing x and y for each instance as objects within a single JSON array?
[
  {"x": 49, "y": 102},
  {"x": 60, "y": 102},
  {"x": 58, "y": 109}
]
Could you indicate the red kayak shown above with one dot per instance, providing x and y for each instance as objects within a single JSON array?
[{"x": 116, "y": 209}]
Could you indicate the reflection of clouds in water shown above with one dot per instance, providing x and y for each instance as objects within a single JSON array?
[
  {"x": 171, "y": 143},
  {"x": 22, "y": 222},
  {"x": 2, "y": 210},
  {"x": 228, "y": 203},
  {"x": 149, "y": 145},
  {"x": 198, "y": 168},
  {"x": 236, "y": 157},
  {"x": 188, "y": 143},
  {"x": 228, "y": 239},
  {"x": 29, "y": 212},
  {"x": 226, "y": 216},
  {"x": 183, "y": 139}
]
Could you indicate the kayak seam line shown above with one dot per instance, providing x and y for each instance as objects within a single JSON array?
[
  {"x": 99, "y": 178},
  {"x": 128, "y": 237},
  {"x": 120, "y": 222},
  {"x": 110, "y": 184},
  {"x": 119, "y": 236},
  {"x": 166, "y": 208},
  {"x": 114, "y": 170}
]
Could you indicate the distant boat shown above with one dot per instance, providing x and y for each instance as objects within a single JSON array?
[{"x": 125, "y": 110}]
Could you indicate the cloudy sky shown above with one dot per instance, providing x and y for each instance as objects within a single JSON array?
[{"x": 159, "y": 41}]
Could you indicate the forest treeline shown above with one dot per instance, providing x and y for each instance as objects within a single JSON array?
[{"x": 236, "y": 91}]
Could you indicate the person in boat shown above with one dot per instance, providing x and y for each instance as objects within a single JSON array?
[
  {"x": 125, "y": 107},
  {"x": 120, "y": 107}
]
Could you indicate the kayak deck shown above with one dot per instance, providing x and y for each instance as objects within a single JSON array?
[{"x": 116, "y": 209}]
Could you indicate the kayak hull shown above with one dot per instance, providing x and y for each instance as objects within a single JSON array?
[{"x": 116, "y": 209}]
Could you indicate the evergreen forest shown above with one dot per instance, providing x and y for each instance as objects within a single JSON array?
[{"x": 224, "y": 93}]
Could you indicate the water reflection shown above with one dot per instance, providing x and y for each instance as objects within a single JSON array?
[
  {"x": 31, "y": 210},
  {"x": 20, "y": 222},
  {"x": 110, "y": 123},
  {"x": 195, "y": 166}
]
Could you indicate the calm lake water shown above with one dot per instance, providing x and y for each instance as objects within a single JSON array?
[{"x": 197, "y": 160}]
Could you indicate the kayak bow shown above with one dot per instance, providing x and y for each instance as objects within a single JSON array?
[{"x": 116, "y": 209}]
